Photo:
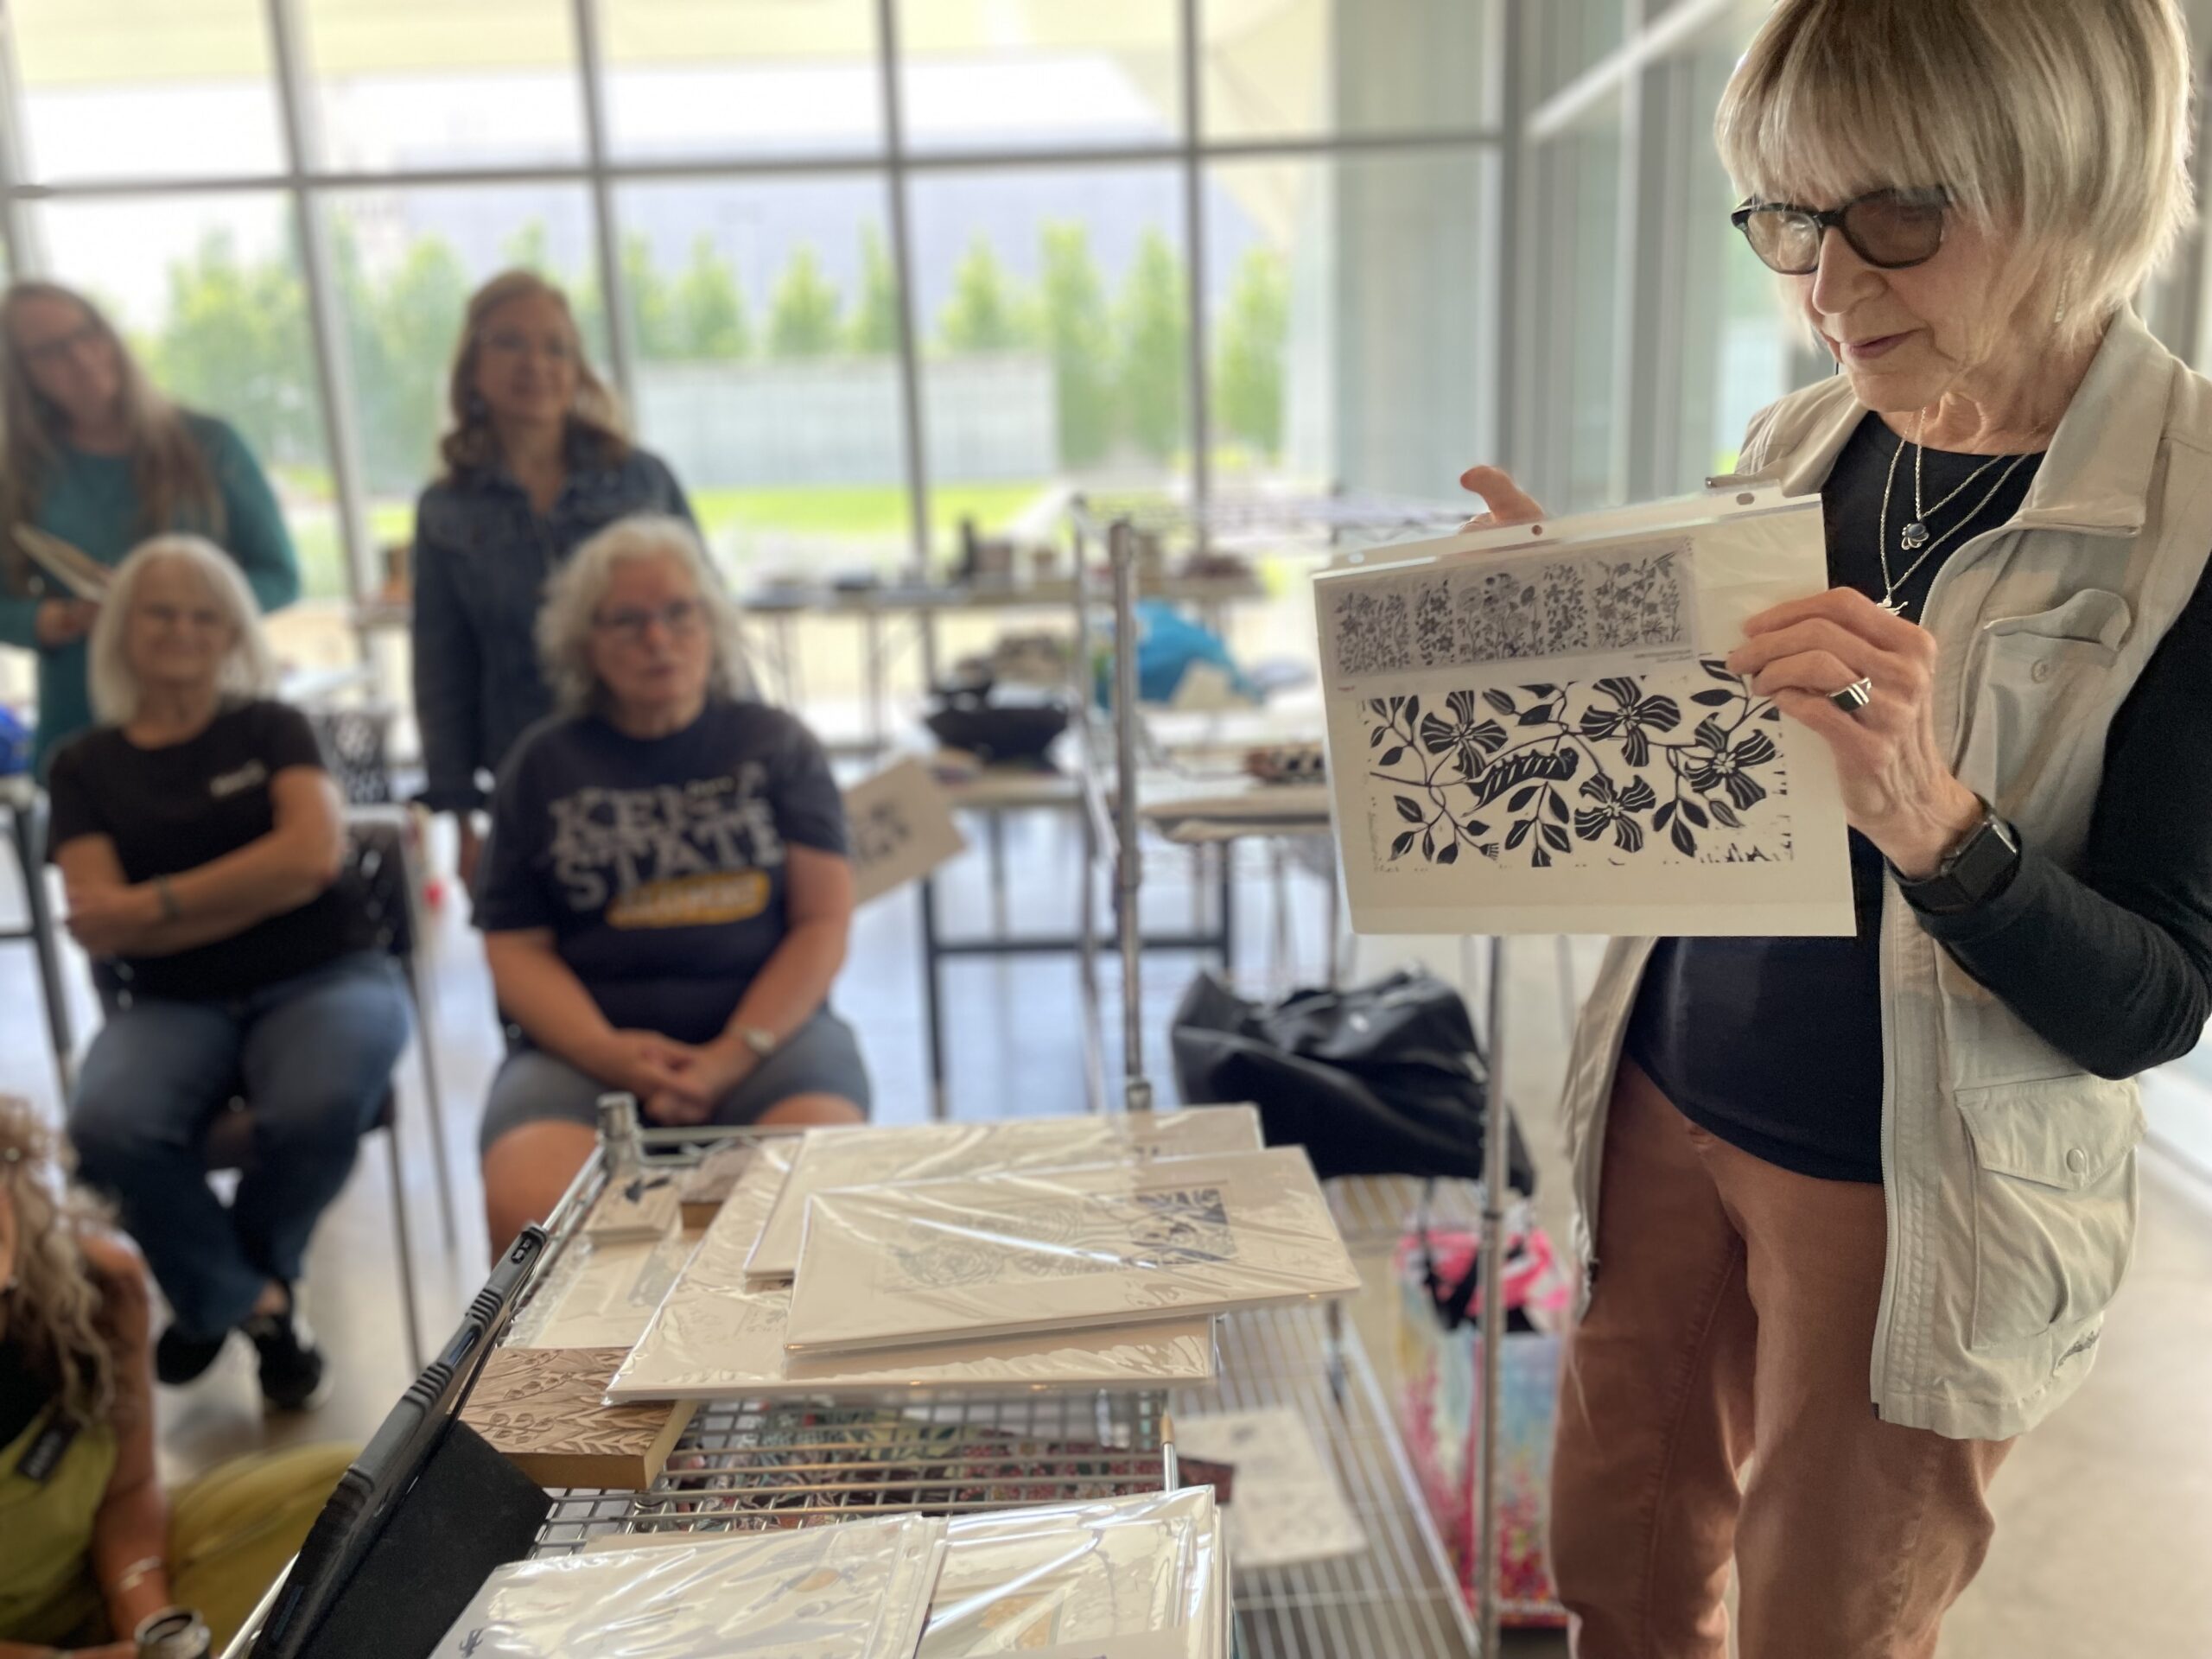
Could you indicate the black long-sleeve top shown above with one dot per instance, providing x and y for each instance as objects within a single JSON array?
[{"x": 1776, "y": 1045}]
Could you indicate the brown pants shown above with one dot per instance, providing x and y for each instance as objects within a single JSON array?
[{"x": 1733, "y": 1323}]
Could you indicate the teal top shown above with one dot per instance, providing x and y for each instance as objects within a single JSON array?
[{"x": 91, "y": 502}]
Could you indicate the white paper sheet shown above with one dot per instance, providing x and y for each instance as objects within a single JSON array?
[
  {"x": 1132, "y": 1578},
  {"x": 712, "y": 1338},
  {"x": 859, "y": 1591},
  {"x": 1289, "y": 1508},
  {"x": 1530, "y": 730},
  {"x": 863, "y": 1157},
  {"x": 1065, "y": 1249},
  {"x": 902, "y": 829}
]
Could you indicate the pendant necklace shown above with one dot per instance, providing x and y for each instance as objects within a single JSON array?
[{"x": 1914, "y": 537}]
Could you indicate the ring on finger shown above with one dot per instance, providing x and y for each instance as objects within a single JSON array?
[{"x": 1854, "y": 698}]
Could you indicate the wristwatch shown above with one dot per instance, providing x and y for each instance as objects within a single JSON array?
[
  {"x": 1976, "y": 870},
  {"x": 758, "y": 1039}
]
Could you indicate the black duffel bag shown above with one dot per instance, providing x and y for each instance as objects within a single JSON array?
[{"x": 1383, "y": 1079}]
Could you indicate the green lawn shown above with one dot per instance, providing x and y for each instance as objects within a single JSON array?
[{"x": 860, "y": 514}]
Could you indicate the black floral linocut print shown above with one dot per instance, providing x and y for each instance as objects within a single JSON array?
[{"x": 1679, "y": 764}]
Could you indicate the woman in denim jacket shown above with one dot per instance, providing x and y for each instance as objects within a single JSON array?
[{"x": 535, "y": 463}]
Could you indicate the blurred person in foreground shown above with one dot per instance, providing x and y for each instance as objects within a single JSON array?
[{"x": 92, "y": 1545}]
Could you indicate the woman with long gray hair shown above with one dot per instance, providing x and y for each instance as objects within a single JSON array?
[{"x": 665, "y": 896}]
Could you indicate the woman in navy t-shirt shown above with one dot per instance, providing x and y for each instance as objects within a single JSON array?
[{"x": 665, "y": 897}]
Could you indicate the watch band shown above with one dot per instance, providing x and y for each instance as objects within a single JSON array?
[
  {"x": 1974, "y": 872},
  {"x": 758, "y": 1039}
]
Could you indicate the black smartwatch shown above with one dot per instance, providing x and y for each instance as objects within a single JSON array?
[{"x": 1971, "y": 873}]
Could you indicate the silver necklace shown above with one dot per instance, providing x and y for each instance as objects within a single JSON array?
[
  {"x": 1915, "y": 534},
  {"x": 1891, "y": 603}
]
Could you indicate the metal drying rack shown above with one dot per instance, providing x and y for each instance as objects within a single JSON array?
[
  {"x": 745, "y": 1466},
  {"x": 1298, "y": 1613}
]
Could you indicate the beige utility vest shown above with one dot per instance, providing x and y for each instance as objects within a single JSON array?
[{"x": 2008, "y": 1172}]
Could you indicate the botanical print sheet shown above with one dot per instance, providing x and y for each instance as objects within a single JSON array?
[
  {"x": 1066, "y": 1250},
  {"x": 1528, "y": 740}
]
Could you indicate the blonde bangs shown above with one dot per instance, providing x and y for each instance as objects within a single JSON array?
[{"x": 2062, "y": 125}]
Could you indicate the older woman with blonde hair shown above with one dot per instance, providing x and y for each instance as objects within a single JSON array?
[
  {"x": 665, "y": 897},
  {"x": 1852, "y": 1210},
  {"x": 202, "y": 849},
  {"x": 91, "y": 452},
  {"x": 94, "y": 1550},
  {"x": 537, "y": 460}
]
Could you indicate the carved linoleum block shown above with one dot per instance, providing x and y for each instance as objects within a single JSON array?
[{"x": 541, "y": 1406}]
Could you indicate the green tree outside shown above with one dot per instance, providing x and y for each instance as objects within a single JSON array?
[
  {"x": 706, "y": 309},
  {"x": 875, "y": 319},
  {"x": 1248, "y": 361},
  {"x": 985, "y": 312},
  {"x": 804, "y": 318},
  {"x": 1155, "y": 416},
  {"x": 1078, "y": 330},
  {"x": 236, "y": 345}
]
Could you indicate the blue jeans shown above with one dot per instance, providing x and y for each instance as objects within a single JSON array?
[{"x": 312, "y": 1055}]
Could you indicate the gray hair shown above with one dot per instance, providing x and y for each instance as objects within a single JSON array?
[
  {"x": 249, "y": 670},
  {"x": 2064, "y": 124},
  {"x": 573, "y": 596}
]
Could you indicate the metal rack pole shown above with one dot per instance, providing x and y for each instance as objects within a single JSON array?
[
  {"x": 1121, "y": 542},
  {"x": 1497, "y": 1121}
]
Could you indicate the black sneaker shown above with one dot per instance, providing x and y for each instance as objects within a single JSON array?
[
  {"x": 180, "y": 1356},
  {"x": 293, "y": 1375}
]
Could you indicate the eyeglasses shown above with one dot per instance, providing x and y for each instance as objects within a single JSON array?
[
  {"x": 509, "y": 342},
  {"x": 61, "y": 346},
  {"x": 1891, "y": 230},
  {"x": 681, "y": 616}
]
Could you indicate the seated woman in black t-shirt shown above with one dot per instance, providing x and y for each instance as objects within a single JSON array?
[
  {"x": 201, "y": 845},
  {"x": 665, "y": 897}
]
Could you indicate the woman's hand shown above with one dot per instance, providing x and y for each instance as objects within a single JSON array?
[
  {"x": 108, "y": 920},
  {"x": 1508, "y": 502},
  {"x": 641, "y": 1063},
  {"x": 1897, "y": 790},
  {"x": 714, "y": 1070},
  {"x": 59, "y": 622}
]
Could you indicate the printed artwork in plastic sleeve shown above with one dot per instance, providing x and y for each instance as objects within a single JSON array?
[
  {"x": 868, "y": 1156},
  {"x": 713, "y": 1338},
  {"x": 859, "y": 1591},
  {"x": 1128, "y": 1578},
  {"x": 1533, "y": 729},
  {"x": 935, "y": 1261}
]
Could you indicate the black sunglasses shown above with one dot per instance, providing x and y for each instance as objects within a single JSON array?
[{"x": 1889, "y": 229}]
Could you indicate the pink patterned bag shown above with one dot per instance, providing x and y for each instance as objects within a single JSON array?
[{"x": 1439, "y": 1409}]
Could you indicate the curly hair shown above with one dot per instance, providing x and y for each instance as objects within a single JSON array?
[
  {"x": 573, "y": 594},
  {"x": 56, "y": 1305}
]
